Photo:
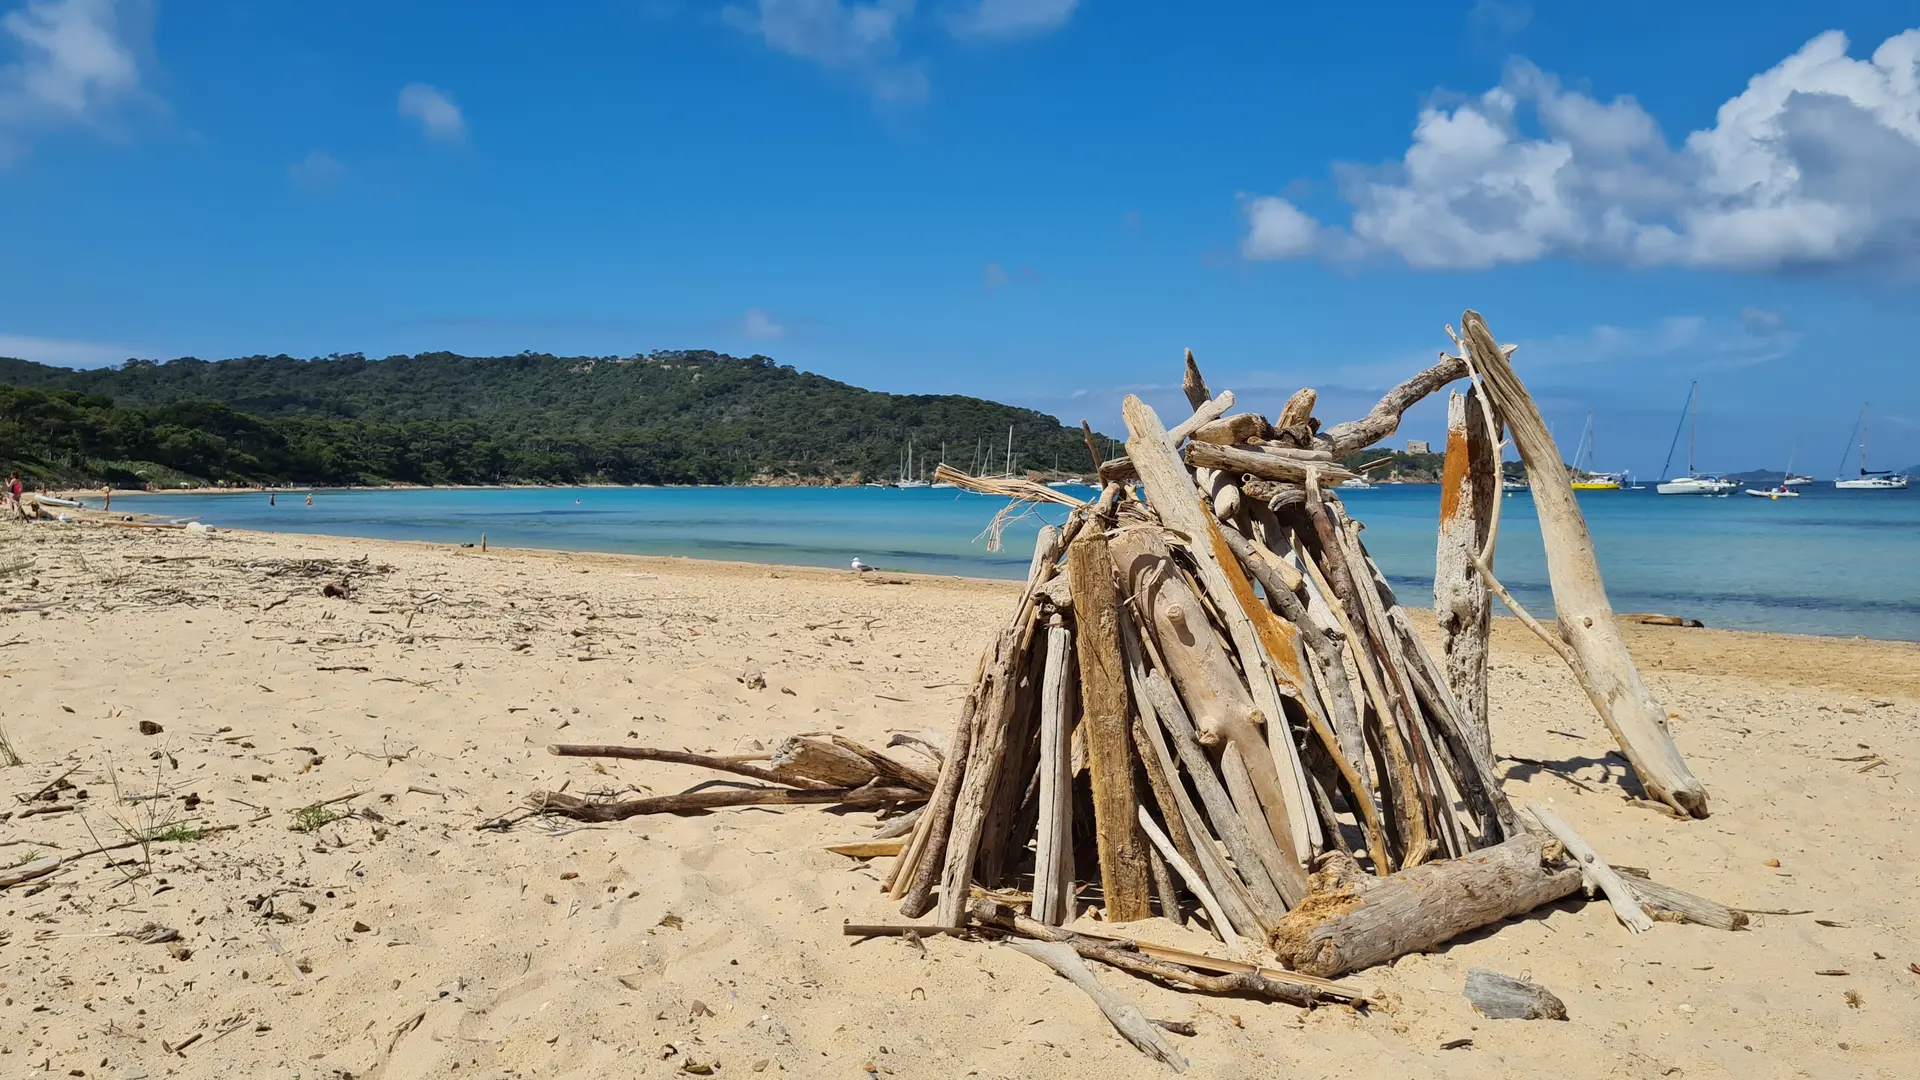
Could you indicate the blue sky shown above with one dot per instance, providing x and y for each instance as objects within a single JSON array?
[{"x": 1040, "y": 201}]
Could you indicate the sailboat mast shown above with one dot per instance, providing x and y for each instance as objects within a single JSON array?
[
  {"x": 1866, "y": 424},
  {"x": 1693, "y": 426}
]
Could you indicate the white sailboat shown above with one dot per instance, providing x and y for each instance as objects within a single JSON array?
[
  {"x": 1883, "y": 480},
  {"x": 907, "y": 479},
  {"x": 1693, "y": 483}
]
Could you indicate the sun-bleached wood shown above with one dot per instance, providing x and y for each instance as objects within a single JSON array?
[
  {"x": 1351, "y": 921},
  {"x": 1597, "y": 652},
  {"x": 1171, "y": 494},
  {"x": 1384, "y": 418},
  {"x": 1297, "y": 410},
  {"x": 1620, "y": 896},
  {"x": 1462, "y": 603},
  {"x": 1206, "y": 413},
  {"x": 1222, "y": 710},
  {"x": 1053, "y": 849},
  {"x": 1230, "y": 430},
  {"x": 1107, "y": 720},
  {"x": 1125, "y": 1017},
  {"x": 1256, "y": 461}
]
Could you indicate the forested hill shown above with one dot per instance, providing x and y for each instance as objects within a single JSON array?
[{"x": 672, "y": 417}]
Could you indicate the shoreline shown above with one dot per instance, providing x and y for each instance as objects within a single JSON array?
[{"x": 1830, "y": 662}]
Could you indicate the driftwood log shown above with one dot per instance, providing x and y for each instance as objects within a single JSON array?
[
  {"x": 1351, "y": 921},
  {"x": 1053, "y": 847},
  {"x": 1107, "y": 720},
  {"x": 1462, "y": 603},
  {"x": 693, "y": 802},
  {"x": 1587, "y": 637}
]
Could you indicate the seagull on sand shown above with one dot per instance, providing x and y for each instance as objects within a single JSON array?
[{"x": 860, "y": 567}]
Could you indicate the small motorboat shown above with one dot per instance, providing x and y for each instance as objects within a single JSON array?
[{"x": 1781, "y": 492}]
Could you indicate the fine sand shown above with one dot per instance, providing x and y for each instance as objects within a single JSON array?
[{"x": 404, "y": 942}]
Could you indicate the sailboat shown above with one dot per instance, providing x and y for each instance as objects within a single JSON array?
[
  {"x": 1884, "y": 480},
  {"x": 907, "y": 479},
  {"x": 943, "y": 461},
  {"x": 1693, "y": 483},
  {"x": 1584, "y": 478},
  {"x": 1782, "y": 490}
]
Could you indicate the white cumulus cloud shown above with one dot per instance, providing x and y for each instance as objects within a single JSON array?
[
  {"x": 76, "y": 64},
  {"x": 860, "y": 39},
  {"x": 1010, "y": 18},
  {"x": 439, "y": 118},
  {"x": 1812, "y": 165}
]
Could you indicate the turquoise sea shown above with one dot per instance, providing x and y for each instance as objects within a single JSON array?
[{"x": 1830, "y": 562}]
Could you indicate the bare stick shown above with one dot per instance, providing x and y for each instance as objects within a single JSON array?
[
  {"x": 1131, "y": 958},
  {"x": 1196, "y": 883},
  {"x": 1205, "y": 413},
  {"x": 681, "y": 757},
  {"x": 554, "y": 802},
  {"x": 1053, "y": 850},
  {"x": 1626, "y": 906},
  {"x": 1125, "y": 1017}
]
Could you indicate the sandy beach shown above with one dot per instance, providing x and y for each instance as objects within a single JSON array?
[{"x": 402, "y": 941}]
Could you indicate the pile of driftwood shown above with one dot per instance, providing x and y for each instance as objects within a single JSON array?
[
  {"x": 1209, "y": 703},
  {"x": 1264, "y": 739}
]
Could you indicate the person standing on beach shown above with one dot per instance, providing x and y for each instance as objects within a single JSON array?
[
  {"x": 106, "y": 497},
  {"x": 13, "y": 492}
]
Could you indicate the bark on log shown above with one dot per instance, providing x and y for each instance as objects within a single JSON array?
[
  {"x": 1384, "y": 419},
  {"x": 1254, "y": 461},
  {"x": 554, "y": 802},
  {"x": 1350, "y": 921},
  {"x": 888, "y": 769},
  {"x": 821, "y": 761},
  {"x": 1462, "y": 603},
  {"x": 1599, "y": 654},
  {"x": 1173, "y": 497},
  {"x": 1053, "y": 849},
  {"x": 1107, "y": 718}
]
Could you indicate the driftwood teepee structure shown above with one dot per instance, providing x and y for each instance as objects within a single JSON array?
[{"x": 1263, "y": 736}]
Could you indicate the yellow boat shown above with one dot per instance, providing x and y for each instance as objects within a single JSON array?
[{"x": 1597, "y": 484}]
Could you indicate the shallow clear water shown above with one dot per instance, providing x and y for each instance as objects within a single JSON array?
[{"x": 1830, "y": 562}]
